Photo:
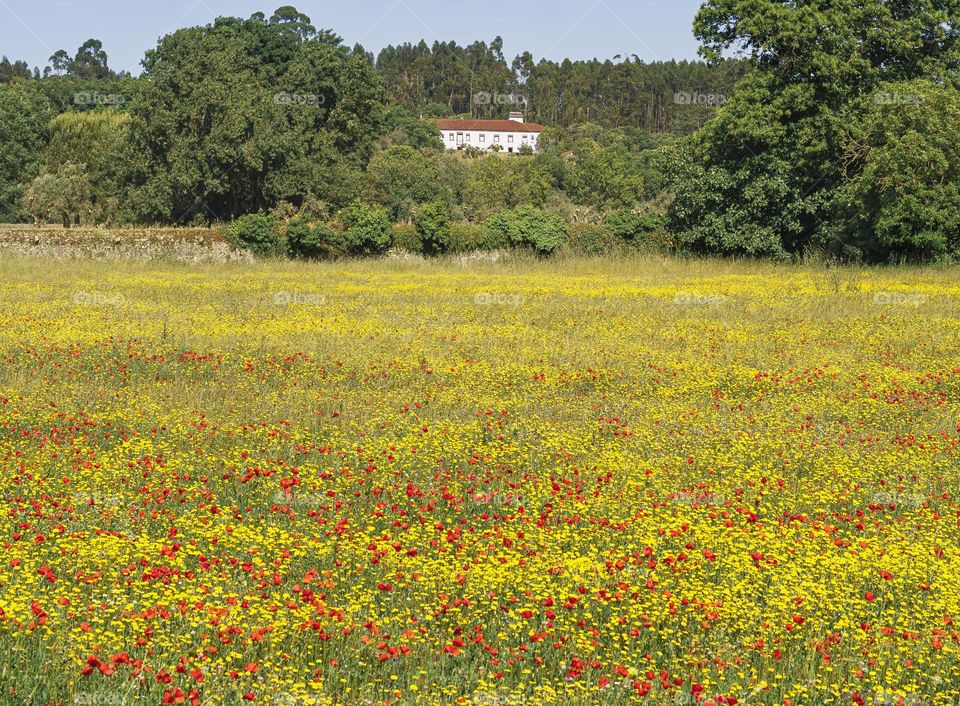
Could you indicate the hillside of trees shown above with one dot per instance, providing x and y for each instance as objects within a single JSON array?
[{"x": 834, "y": 132}]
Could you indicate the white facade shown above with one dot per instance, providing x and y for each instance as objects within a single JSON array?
[
  {"x": 510, "y": 135},
  {"x": 486, "y": 139}
]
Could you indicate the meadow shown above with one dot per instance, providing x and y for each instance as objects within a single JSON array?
[{"x": 572, "y": 481}]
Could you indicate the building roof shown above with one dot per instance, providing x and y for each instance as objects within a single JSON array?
[{"x": 489, "y": 125}]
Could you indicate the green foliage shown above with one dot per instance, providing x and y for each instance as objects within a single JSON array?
[
  {"x": 311, "y": 241},
  {"x": 440, "y": 80},
  {"x": 490, "y": 183},
  {"x": 902, "y": 200},
  {"x": 63, "y": 194},
  {"x": 24, "y": 130},
  {"x": 240, "y": 114},
  {"x": 531, "y": 227},
  {"x": 10, "y": 70},
  {"x": 403, "y": 178},
  {"x": 432, "y": 222},
  {"x": 401, "y": 127},
  {"x": 591, "y": 239},
  {"x": 97, "y": 139},
  {"x": 367, "y": 228},
  {"x": 472, "y": 237},
  {"x": 764, "y": 176},
  {"x": 631, "y": 226},
  {"x": 90, "y": 62},
  {"x": 405, "y": 237},
  {"x": 256, "y": 232}
]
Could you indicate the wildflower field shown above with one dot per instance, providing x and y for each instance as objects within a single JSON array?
[{"x": 526, "y": 482}]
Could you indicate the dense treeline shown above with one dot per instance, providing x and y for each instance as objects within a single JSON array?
[
  {"x": 477, "y": 81},
  {"x": 271, "y": 114},
  {"x": 837, "y": 133}
]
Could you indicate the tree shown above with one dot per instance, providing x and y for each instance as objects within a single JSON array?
[
  {"x": 901, "y": 200},
  {"x": 90, "y": 61},
  {"x": 256, "y": 232},
  {"x": 24, "y": 130},
  {"x": 762, "y": 176},
  {"x": 97, "y": 139},
  {"x": 238, "y": 115},
  {"x": 367, "y": 228},
  {"x": 402, "y": 178},
  {"x": 60, "y": 62},
  {"x": 432, "y": 222},
  {"x": 294, "y": 22},
  {"x": 63, "y": 194},
  {"x": 310, "y": 241},
  {"x": 531, "y": 227},
  {"x": 13, "y": 70},
  {"x": 401, "y": 127}
]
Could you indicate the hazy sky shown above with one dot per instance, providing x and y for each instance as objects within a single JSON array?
[{"x": 578, "y": 29}]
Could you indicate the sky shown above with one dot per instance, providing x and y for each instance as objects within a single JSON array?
[{"x": 32, "y": 30}]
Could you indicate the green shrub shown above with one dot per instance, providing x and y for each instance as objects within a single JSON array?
[
  {"x": 367, "y": 228},
  {"x": 529, "y": 226},
  {"x": 310, "y": 242},
  {"x": 432, "y": 222},
  {"x": 405, "y": 237},
  {"x": 630, "y": 226},
  {"x": 256, "y": 232},
  {"x": 525, "y": 151},
  {"x": 470, "y": 237},
  {"x": 591, "y": 239}
]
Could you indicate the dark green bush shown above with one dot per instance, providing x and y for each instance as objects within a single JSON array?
[
  {"x": 470, "y": 237},
  {"x": 591, "y": 239},
  {"x": 405, "y": 237},
  {"x": 432, "y": 222},
  {"x": 256, "y": 232},
  {"x": 529, "y": 226},
  {"x": 311, "y": 242},
  {"x": 367, "y": 228},
  {"x": 630, "y": 226}
]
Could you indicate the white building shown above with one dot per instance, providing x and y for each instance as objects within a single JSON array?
[{"x": 510, "y": 134}]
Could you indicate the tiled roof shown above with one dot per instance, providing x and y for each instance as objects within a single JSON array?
[{"x": 489, "y": 125}]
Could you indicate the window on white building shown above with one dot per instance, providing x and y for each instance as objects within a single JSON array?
[
  {"x": 468, "y": 137},
  {"x": 451, "y": 136},
  {"x": 483, "y": 138},
  {"x": 509, "y": 138},
  {"x": 496, "y": 139}
]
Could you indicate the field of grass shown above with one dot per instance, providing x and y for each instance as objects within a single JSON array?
[{"x": 529, "y": 482}]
